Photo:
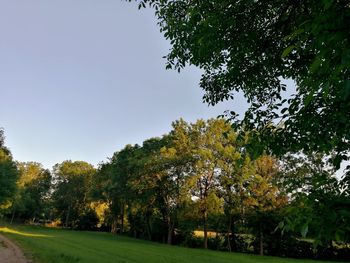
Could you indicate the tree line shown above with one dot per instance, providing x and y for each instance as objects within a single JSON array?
[{"x": 202, "y": 178}]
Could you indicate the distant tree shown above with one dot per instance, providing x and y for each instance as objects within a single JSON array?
[
  {"x": 100, "y": 192},
  {"x": 208, "y": 140},
  {"x": 72, "y": 182},
  {"x": 236, "y": 167},
  {"x": 33, "y": 184},
  {"x": 251, "y": 46},
  {"x": 125, "y": 165},
  {"x": 8, "y": 173},
  {"x": 176, "y": 163},
  {"x": 164, "y": 176},
  {"x": 264, "y": 197},
  {"x": 112, "y": 185},
  {"x": 147, "y": 183}
]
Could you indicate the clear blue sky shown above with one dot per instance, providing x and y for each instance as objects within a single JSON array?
[{"x": 80, "y": 79}]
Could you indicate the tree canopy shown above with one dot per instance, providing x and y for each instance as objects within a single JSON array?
[
  {"x": 8, "y": 172},
  {"x": 33, "y": 186},
  {"x": 72, "y": 182},
  {"x": 251, "y": 46}
]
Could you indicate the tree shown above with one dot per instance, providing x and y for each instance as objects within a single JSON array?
[
  {"x": 8, "y": 173},
  {"x": 146, "y": 181},
  {"x": 264, "y": 198},
  {"x": 250, "y": 46},
  {"x": 177, "y": 162},
  {"x": 236, "y": 168},
  {"x": 320, "y": 203},
  {"x": 207, "y": 141},
  {"x": 101, "y": 193},
  {"x": 72, "y": 182},
  {"x": 167, "y": 168},
  {"x": 125, "y": 165},
  {"x": 33, "y": 184}
]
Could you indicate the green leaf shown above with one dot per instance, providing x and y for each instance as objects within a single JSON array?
[
  {"x": 327, "y": 4},
  {"x": 315, "y": 65},
  {"x": 346, "y": 89},
  {"x": 304, "y": 230},
  {"x": 284, "y": 110},
  {"x": 308, "y": 99},
  {"x": 287, "y": 51}
]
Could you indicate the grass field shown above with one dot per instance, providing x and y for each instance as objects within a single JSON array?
[{"x": 47, "y": 245}]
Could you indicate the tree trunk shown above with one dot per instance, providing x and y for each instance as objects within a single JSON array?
[
  {"x": 170, "y": 234},
  {"x": 114, "y": 227},
  {"x": 122, "y": 219},
  {"x": 148, "y": 228},
  {"x": 170, "y": 227},
  {"x": 205, "y": 230},
  {"x": 261, "y": 241},
  {"x": 13, "y": 215},
  {"x": 67, "y": 216},
  {"x": 233, "y": 235},
  {"x": 228, "y": 234}
]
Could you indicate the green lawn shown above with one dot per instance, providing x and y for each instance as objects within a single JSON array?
[{"x": 48, "y": 245}]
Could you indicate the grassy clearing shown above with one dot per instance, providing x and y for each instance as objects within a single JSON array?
[{"x": 57, "y": 246}]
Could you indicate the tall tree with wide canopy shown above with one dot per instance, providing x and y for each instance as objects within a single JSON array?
[
  {"x": 72, "y": 182},
  {"x": 236, "y": 168},
  {"x": 264, "y": 197},
  {"x": 111, "y": 184},
  {"x": 210, "y": 143},
  {"x": 33, "y": 185},
  {"x": 251, "y": 46}
]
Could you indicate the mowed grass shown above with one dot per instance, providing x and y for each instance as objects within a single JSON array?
[{"x": 47, "y": 245}]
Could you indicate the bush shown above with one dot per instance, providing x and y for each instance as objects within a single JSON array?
[
  {"x": 88, "y": 220},
  {"x": 188, "y": 239},
  {"x": 217, "y": 243}
]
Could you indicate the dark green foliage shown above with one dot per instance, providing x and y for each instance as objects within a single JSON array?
[
  {"x": 189, "y": 240},
  {"x": 8, "y": 176},
  {"x": 263, "y": 225},
  {"x": 32, "y": 199},
  {"x": 292, "y": 247},
  {"x": 72, "y": 182},
  {"x": 8, "y": 173},
  {"x": 111, "y": 185},
  {"x": 87, "y": 220},
  {"x": 245, "y": 243},
  {"x": 319, "y": 202},
  {"x": 250, "y": 46}
]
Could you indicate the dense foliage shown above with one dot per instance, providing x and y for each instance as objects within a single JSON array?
[
  {"x": 33, "y": 185},
  {"x": 70, "y": 197},
  {"x": 8, "y": 173},
  {"x": 251, "y": 46}
]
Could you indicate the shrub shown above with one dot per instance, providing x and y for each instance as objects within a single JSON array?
[{"x": 88, "y": 220}]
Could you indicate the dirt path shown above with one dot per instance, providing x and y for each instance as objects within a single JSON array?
[{"x": 10, "y": 252}]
